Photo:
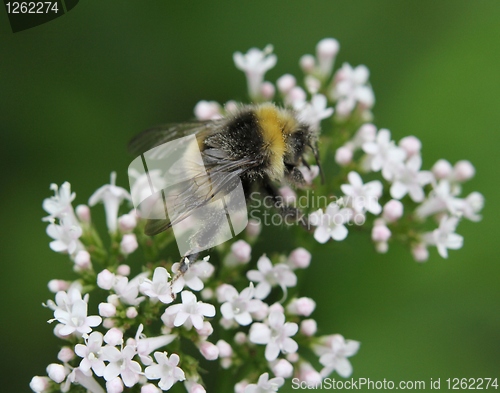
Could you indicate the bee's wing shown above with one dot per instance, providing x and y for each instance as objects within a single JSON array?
[
  {"x": 217, "y": 180},
  {"x": 156, "y": 136}
]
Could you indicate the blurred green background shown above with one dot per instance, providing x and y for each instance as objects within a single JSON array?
[{"x": 73, "y": 92}]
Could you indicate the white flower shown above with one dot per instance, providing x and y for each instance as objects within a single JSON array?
[
  {"x": 268, "y": 276},
  {"x": 409, "y": 179},
  {"x": 350, "y": 88},
  {"x": 190, "y": 312},
  {"x": 334, "y": 355},
  {"x": 239, "y": 306},
  {"x": 91, "y": 353},
  {"x": 140, "y": 189},
  {"x": 121, "y": 363},
  {"x": 363, "y": 197},
  {"x": 128, "y": 291},
  {"x": 444, "y": 237},
  {"x": 313, "y": 112},
  {"x": 383, "y": 154},
  {"x": 193, "y": 277},
  {"x": 111, "y": 196},
  {"x": 265, "y": 385},
  {"x": 330, "y": 224},
  {"x": 75, "y": 319},
  {"x": 473, "y": 204},
  {"x": 145, "y": 346},
  {"x": 59, "y": 205},
  {"x": 65, "y": 236},
  {"x": 440, "y": 199},
  {"x": 276, "y": 336},
  {"x": 165, "y": 370},
  {"x": 159, "y": 288},
  {"x": 255, "y": 63}
]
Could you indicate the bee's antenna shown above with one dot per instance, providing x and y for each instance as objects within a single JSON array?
[{"x": 315, "y": 151}]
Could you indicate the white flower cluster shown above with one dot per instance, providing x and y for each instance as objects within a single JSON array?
[
  {"x": 147, "y": 320},
  {"x": 111, "y": 352},
  {"x": 413, "y": 194}
]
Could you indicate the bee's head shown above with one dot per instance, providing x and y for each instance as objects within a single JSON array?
[{"x": 297, "y": 142}]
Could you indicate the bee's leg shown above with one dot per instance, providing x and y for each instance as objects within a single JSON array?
[
  {"x": 295, "y": 176},
  {"x": 187, "y": 261}
]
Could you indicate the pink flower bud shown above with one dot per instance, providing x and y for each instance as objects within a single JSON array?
[
  {"x": 293, "y": 357},
  {"x": 209, "y": 350},
  {"x": 193, "y": 387},
  {"x": 207, "y": 293},
  {"x": 309, "y": 174},
  {"x": 127, "y": 222},
  {"x": 150, "y": 388},
  {"x": 253, "y": 228},
  {"x": 57, "y": 331},
  {"x": 261, "y": 313},
  {"x": 58, "y": 285},
  {"x": 206, "y": 330},
  {"x": 105, "y": 280},
  {"x": 242, "y": 251},
  {"x": 327, "y": 48},
  {"x": 367, "y": 133},
  {"x": 286, "y": 83},
  {"x": 123, "y": 270},
  {"x": 464, "y": 170},
  {"x": 131, "y": 313},
  {"x": 283, "y": 369},
  {"x": 221, "y": 292},
  {"x": 343, "y": 155},
  {"x": 276, "y": 307},
  {"x": 107, "y": 310},
  {"x": 411, "y": 145},
  {"x": 380, "y": 233},
  {"x": 307, "y": 63},
  {"x": 128, "y": 244},
  {"x": 240, "y": 386},
  {"x": 420, "y": 252},
  {"x": 309, "y": 374},
  {"x": 207, "y": 110},
  {"x": 299, "y": 258},
  {"x": 288, "y": 195},
  {"x": 442, "y": 169},
  {"x": 393, "y": 210},
  {"x": 39, "y": 384},
  {"x": 302, "y": 306},
  {"x": 231, "y": 106},
  {"x": 297, "y": 94},
  {"x": 114, "y": 386},
  {"x": 312, "y": 84},
  {"x": 267, "y": 90},
  {"x": 82, "y": 260},
  {"x": 56, "y": 372},
  {"x": 308, "y": 327},
  {"x": 66, "y": 354},
  {"x": 83, "y": 213},
  {"x": 225, "y": 349},
  {"x": 114, "y": 337},
  {"x": 240, "y": 338},
  {"x": 227, "y": 323}
]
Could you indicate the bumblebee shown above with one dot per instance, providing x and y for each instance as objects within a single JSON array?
[{"x": 258, "y": 147}]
